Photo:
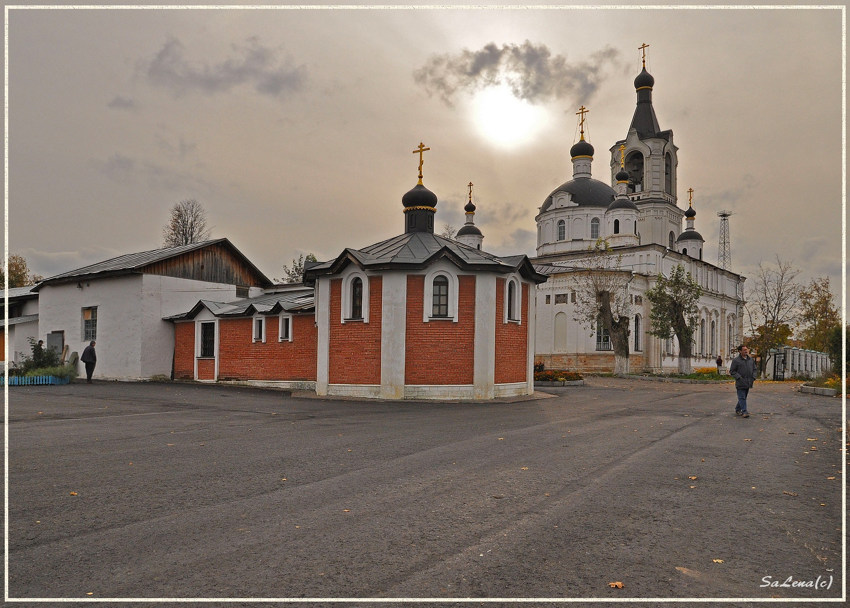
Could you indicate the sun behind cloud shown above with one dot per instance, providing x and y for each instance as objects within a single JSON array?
[{"x": 503, "y": 119}]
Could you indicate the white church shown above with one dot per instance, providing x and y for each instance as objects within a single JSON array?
[{"x": 642, "y": 223}]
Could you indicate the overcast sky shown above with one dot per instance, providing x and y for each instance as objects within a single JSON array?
[{"x": 295, "y": 128}]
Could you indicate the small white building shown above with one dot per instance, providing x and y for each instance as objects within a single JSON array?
[
  {"x": 792, "y": 362},
  {"x": 121, "y": 303},
  {"x": 22, "y": 305}
]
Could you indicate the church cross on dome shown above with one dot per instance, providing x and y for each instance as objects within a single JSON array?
[
  {"x": 642, "y": 48},
  {"x": 622, "y": 156},
  {"x": 581, "y": 112},
  {"x": 420, "y": 150},
  {"x": 470, "y": 192},
  {"x": 690, "y": 197}
]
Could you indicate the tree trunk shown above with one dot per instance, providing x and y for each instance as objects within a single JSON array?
[
  {"x": 683, "y": 334},
  {"x": 618, "y": 331}
]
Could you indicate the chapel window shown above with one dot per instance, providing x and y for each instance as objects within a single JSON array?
[
  {"x": 616, "y": 226},
  {"x": 668, "y": 173},
  {"x": 562, "y": 230},
  {"x": 440, "y": 306},
  {"x": 671, "y": 240},
  {"x": 594, "y": 228},
  {"x": 356, "y": 298},
  {"x": 207, "y": 340}
]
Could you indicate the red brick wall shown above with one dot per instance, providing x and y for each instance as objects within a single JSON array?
[
  {"x": 440, "y": 352},
  {"x": 206, "y": 369},
  {"x": 511, "y": 340},
  {"x": 355, "y": 347},
  {"x": 184, "y": 351},
  {"x": 240, "y": 358}
]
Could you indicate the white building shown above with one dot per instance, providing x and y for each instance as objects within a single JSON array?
[
  {"x": 640, "y": 219},
  {"x": 120, "y": 303},
  {"x": 22, "y": 325}
]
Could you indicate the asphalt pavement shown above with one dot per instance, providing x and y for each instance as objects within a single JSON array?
[{"x": 170, "y": 490}]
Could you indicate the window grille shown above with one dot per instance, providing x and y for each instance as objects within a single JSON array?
[
  {"x": 208, "y": 339},
  {"x": 89, "y": 324}
]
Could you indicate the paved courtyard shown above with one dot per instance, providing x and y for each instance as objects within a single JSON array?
[{"x": 184, "y": 491}]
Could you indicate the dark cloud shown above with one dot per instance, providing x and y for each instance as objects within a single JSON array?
[
  {"x": 120, "y": 102},
  {"x": 251, "y": 64},
  {"x": 530, "y": 70}
]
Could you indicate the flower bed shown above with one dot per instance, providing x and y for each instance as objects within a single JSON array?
[{"x": 556, "y": 375}]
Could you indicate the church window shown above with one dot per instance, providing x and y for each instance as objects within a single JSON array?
[
  {"x": 560, "y": 298},
  {"x": 685, "y": 251},
  {"x": 548, "y": 299},
  {"x": 702, "y": 336},
  {"x": 573, "y": 297},
  {"x": 560, "y": 332},
  {"x": 637, "y": 333},
  {"x": 713, "y": 338},
  {"x": 440, "y": 297},
  {"x": 594, "y": 228},
  {"x": 512, "y": 300},
  {"x": 616, "y": 226},
  {"x": 356, "y": 298},
  {"x": 603, "y": 338},
  {"x": 285, "y": 334},
  {"x": 562, "y": 230},
  {"x": 259, "y": 329},
  {"x": 671, "y": 240},
  {"x": 207, "y": 345},
  {"x": 668, "y": 173}
]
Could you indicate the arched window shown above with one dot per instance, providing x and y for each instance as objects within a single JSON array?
[
  {"x": 702, "y": 336},
  {"x": 356, "y": 298},
  {"x": 713, "y": 338},
  {"x": 634, "y": 166},
  {"x": 594, "y": 228},
  {"x": 616, "y": 226},
  {"x": 637, "y": 332},
  {"x": 513, "y": 306},
  {"x": 668, "y": 173},
  {"x": 562, "y": 230},
  {"x": 671, "y": 240},
  {"x": 685, "y": 251},
  {"x": 440, "y": 297},
  {"x": 511, "y": 297}
]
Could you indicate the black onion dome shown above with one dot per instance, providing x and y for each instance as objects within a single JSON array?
[
  {"x": 419, "y": 196},
  {"x": 582, "y": 148},
  {"x": 470, "y": 207},
  {"x": 468, "y": 229},
  {"x": 622, "y": 202},
  {"x": 690, "y": 212},
  {"x": 622, "y": 176},
  {"x": 644, "y": 79},
  {"x": 585, "y": 192},
  {"x": 690, "y": 235}
]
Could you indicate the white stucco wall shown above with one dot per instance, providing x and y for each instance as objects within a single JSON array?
[{"x": 133, "y": 341}]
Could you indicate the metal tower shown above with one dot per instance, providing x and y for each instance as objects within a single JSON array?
[{"x": 724, "y": 251}]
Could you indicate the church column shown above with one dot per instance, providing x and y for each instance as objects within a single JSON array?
[
  {"x": 393, "y": 324},
  {"x": 484, "y": 368}
]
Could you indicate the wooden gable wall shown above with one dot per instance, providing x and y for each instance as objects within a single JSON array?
[{"x": 215, "y": 263}]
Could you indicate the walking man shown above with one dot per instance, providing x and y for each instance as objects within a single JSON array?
[
  {"x": 743, "y": 369},
  {"x": 90, "y": 359}
]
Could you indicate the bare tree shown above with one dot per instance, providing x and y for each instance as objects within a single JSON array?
[
  {"x": 187, "y": 224},
  {"x": 675, "y": 312},
  {"x": 772, "y": 306},
  {"x": 602, "y": 300},
  {"x": 448, "y": 232}
]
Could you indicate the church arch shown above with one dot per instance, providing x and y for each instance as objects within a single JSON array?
[
  {"x": 634, "y": 167},
  {"x": 513, "y": 300},
  {"x": 440, "y": 295},
  {"x": 355, "y": 297}
]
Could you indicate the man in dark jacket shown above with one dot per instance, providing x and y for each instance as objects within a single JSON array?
[
  {"x": 743, "y": 369},
  {"x": 89, "y": 357}
]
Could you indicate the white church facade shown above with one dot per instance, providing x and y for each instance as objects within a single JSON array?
[{"x": 641, "y": 222}]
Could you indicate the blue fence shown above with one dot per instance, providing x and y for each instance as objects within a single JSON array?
[{"x": 33, "y": 380}]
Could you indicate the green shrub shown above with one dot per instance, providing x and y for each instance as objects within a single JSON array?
[
  {"x": 60, "y": 371},
  {"x": 557, "y": 375},
  {"x": 39, "y": 359}
]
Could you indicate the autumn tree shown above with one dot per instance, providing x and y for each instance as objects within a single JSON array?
[
  {"x": 772, "y": 306},
  {"x": 19, "y": 273},
  {"x": 186, "y": 225},
  {"x": 818, "y": 314},
  {"x": 675, "y": 312},
  {"x": 295, "y": 272},
  {"x": 835, "y": 350},
  {"x": 602, "y": 299}
]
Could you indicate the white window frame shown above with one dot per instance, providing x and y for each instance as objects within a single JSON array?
[
  {"x": 93, "y": 319},
  {"x": 281, "y": 318},
  {"x": 254, "y": 336},
  {"x": 517, "y": 300},
  {"x": 345, "y": 312},
  {"x": 428, "y": 301},
  {"x": 198, "y": 338}
]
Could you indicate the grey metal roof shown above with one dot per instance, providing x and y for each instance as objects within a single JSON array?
[
  {"x": 132, "y": 262},
  {"x": 270, "y": 303},
  {"x": 19, "y": 320},
  {"x": 585, "y": 192},
  {"x": 21, "y": 292}
]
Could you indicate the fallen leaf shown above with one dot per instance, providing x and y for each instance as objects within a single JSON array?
[
  {"x": 616, "y": 584},
  {"x": 692, "y": 477},
  {"x": 830, "y": 477},
  {"x": 73, "y": 493},
  {"x": 789, "y": 493},
  {"x": 811, "y": 438},
  {"x": 501, "y": 438},
  {"x": 346, "y": 510},
  {"x": 692, "y": 487},
  {"x": 524, "y": 468},
  {"x": 717, "y": 561},
  {"x": 813, "y": 448},
  {"x": 747, "y": 439}
]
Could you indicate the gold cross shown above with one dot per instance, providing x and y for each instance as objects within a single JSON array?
[
  {"x": 420, "y": 150},
  {"x": 642, "y": 48},
  {"x": 581, "y": 112},
  {"x": 470, "y": 192},
  {"x": 622, "y": 156},
  {"x": 690, "y": 197}
]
